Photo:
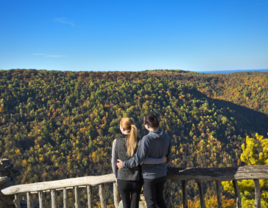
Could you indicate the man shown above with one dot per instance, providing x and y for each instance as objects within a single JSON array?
[{"x": 156, "y": 144}]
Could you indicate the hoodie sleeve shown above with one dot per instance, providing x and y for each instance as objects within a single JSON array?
[
  {"x": 114, "y": 159},
  {"x": 150, "y": 160},
  {"x": 140, "y": 155}
]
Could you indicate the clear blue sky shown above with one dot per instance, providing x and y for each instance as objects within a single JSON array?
[{"x": 134, "y": 35}]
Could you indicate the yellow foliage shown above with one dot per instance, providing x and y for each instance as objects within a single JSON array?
[
  {"x": 181, "y": 150},
  {"x": 211, "y": 202},
  {"x": 255, "y": 152},
  {"x": 24, "y": 163}
]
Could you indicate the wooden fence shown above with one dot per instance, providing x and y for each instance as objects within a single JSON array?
[{"x": 174, "y": 174}]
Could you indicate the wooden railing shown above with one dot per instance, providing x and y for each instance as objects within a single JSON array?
[
  {"x": 174, "y": 174},
  {"x": 63, "y": 185}
]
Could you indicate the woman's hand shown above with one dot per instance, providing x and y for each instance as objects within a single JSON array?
[
  {"x": 164, "y": 159},
  {"x": 119, "y": 164}
]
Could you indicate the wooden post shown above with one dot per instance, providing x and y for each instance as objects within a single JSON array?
[
  {"x": 184, "y": 194},
  {"x": 90, "y": 197},
  {"x": 237, "y": 194},
  {"x": 257, "y": 203},
  {"x": 41, "y": 199},
  {"x": 202, "y": 201},
  {"x": 117, "y": 197},
  {"x": 77, "y": 197},
  {"x": 65, "y": 199},
  {"x": 17, "y": 200},
  {"x": 53, "y": 199},
  {"x": 102, "y": 196},
  {"x": 167, "y": 195},
  {"x": 218, "y": 188},
  {"x": 29, "y": 200}
]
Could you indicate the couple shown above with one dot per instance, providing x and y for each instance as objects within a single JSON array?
[{"x": 153, "y": 151}]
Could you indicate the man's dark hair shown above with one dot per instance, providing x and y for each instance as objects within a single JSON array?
[{"x": 151, "y": 120}]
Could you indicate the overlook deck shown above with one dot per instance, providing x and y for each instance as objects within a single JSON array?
[{"x": 174, "y": 174}]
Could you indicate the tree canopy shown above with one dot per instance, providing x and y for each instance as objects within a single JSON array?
[{"x": 56, "y": 125}]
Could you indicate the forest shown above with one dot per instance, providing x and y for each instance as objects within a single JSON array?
[{"x": 56, "y": 125}]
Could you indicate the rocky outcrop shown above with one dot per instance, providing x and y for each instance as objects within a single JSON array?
[{"x": 7, "y": 178}]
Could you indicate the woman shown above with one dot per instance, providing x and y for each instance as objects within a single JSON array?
[{"x": 129, "y": 180}]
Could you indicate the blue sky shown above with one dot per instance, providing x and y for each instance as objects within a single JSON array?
[{"x": 133, "y": 35}]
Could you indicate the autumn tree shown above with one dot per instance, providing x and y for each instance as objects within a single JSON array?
[{"x": 255, "y": 152}]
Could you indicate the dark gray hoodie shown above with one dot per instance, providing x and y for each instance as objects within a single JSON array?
[{"x": 154, "y": 145}]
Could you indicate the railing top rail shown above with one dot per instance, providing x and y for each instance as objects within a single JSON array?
[
  {"x": 219, "y": 174},
  {"x": 175, "y": 174},
  {"x": 57, "y": 184}
]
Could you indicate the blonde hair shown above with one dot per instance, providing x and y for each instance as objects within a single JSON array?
[{"x": 131, "y": 142}]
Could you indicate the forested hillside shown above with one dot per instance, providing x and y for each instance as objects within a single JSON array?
[
  {"x": 56, "y": 125},
  {"x": 247, "y": 89}
]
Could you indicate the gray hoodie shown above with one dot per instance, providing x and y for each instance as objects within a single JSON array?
[{"x": 155, "y": 145}]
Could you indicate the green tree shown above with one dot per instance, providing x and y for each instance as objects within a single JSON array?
[{"x": 255, "y": 152}]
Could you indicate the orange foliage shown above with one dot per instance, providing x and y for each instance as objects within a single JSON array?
[
  {"x": 24, "y": 163},
  {"x": 211, "y": 202}
]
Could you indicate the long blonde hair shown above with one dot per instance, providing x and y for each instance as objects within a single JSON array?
[{"x": 132, "y": 141}]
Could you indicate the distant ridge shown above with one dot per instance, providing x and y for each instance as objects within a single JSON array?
[{"x": 233, "y": 71}]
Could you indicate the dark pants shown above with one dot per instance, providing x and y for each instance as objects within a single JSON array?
[
  {"x": 130, "y": 192},
  {"x": 153, "y": 192}
]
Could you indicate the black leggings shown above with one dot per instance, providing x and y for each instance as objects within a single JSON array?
[
  {"x": 130, "y": 192},
  {"x": 153, "y": 192}
]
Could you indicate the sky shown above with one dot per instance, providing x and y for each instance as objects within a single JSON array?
[{"x": 133, "y": 35}]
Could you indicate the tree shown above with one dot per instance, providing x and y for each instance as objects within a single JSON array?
[{"x": 255, "y": 152}]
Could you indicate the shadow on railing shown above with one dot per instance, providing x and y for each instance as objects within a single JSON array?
[{"x": 174, "y": 174}]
